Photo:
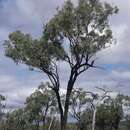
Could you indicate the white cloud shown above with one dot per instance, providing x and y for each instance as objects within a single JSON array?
[
  {"x": 16, "y": 90},
  {"x": 122, "y": 75},
  {"x": 119, "y": 52}
]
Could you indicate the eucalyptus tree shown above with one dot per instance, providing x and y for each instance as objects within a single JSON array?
[
  {"x": 127, "y": 122},
  {"x": 39, "y": 104},
  {"x": 109, "y": 114},
  {"x": 80, "y": 106},
  {"x": 97, "y": 101},
  {"x": 15, "y": 120},
  {"x": 125, "y": 100},
  {"x": 74, "y": 35},
  {"x": 87, "y": 102}
]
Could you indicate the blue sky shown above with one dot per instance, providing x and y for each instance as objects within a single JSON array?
[{"x": 16, "y": 82}]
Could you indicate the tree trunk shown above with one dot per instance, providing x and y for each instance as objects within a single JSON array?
[
  {"x": 37, "y": 125},
  {"x": 64, "y": 113},
  {"x": 44, "y": 116},
  {"x": 60, "y": 109},
  {"x": 66, "y": 107},
  {"x": 65, "y": 116},
  {"x": 63, "y": 124},
  {"x": 94, "y": 119},
  {"x": 81, "y": 126},
  {"x": 70, "y": 85},
  {"x": 64, "y": 120},
  {"x": 50, "y": 125}
]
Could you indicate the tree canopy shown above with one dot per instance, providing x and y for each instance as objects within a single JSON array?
[{"x": 74, "y": 35}]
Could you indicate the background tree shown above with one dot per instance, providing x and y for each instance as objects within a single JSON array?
[
  {"x": 80, "y": 107},
  {"x": 15, "y": 120},
  {"x": 2, "y": 113},
  {"x": 127, "y": 122},
  {"x": 2, "y": 99},
  {"x": 126, "y": 103},
  {"x": 74, "y": 35},
  {"x": 39, "y": 104},
  {"x": 97, "y": 100},
  {"x": 109, "y": 114},
  {"x": 83, "y": 103},
  {"x": 39, "y": 112}
]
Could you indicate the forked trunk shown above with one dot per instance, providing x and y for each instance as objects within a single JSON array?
[{"x": 64, "y": 113}]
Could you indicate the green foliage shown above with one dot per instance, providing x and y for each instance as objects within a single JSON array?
[
  {"x": 78, "y": 107},
  {"x": 109, "y": 115},
  {"x": 16, "y": 120},
  {"x": 40, "y": 106},
  {"x": 2, "y": 98},
  {"x": 84, "y": 27}
]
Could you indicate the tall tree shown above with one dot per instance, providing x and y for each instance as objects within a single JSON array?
[{"x": 74, "y": 35}]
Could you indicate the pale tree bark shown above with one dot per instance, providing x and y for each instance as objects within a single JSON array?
[
  {"x": 94, "y": 119},
  {"x": 100, "y": 99},
  {"x": 50, "y": 125}
]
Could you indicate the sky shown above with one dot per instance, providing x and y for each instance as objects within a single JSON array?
[{"x": 17, "y": 82}]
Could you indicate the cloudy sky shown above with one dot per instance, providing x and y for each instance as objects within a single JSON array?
[{"x": 16, "y": 82}]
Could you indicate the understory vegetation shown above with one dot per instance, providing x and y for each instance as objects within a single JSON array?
[{"x": 88, "y": 110}]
